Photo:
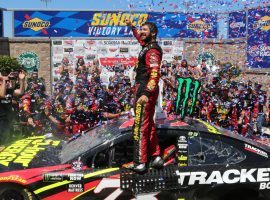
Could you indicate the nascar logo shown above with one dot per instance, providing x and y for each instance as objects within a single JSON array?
[{"x": 36, "y": 24}]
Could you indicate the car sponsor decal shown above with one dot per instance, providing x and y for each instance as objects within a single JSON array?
[
  {"x": 13, "y": 178},
  {"x": 77, "y": 165},
  {"x": 24, "y": 151},
  {"x": 182, "y": 151},
  {"x": 174, "y": 177},
  {"x": 255, "y": 150},
  {"x": 65, "y": 182},
  {"x": 210, "y": 128},
  {"x": 192, "y": 134},
  {"x": 264, "y": 186},
  {"x": 230, "y": 176}
]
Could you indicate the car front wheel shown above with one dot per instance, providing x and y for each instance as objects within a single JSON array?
[{"x": 15, "y": 192}]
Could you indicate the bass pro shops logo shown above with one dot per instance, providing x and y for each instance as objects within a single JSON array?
[{"x": 36, "y": 24}]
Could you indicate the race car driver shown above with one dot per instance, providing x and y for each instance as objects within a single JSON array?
[{"x": 147, "y": 90}]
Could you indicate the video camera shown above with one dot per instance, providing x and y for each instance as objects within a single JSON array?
[{"x": 11, "y": 75}]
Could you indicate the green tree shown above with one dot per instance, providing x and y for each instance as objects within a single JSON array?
[{"x": 8, "y": 64}]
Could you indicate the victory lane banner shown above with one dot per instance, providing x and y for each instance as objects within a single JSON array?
[
  {"x": 258, "y": 43},
  {"x": 111, "y": 24}
]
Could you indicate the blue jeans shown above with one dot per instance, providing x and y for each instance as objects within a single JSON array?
[{"x": 259, "y": 122}]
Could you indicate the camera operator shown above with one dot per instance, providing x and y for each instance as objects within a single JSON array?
[{"x": 7, "y": 92}]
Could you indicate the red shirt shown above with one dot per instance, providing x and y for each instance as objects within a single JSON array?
[{"x": 153, "y": 61}]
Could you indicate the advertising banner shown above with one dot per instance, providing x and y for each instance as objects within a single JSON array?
[
  {"x": 258, "y": 46},
  {"x": 237, "y": 24},
  {"x": 111, "y": 24},
  {"x": 114, "y": 61},
  {"x": 1, "y": 23},
  {"x": 108, "y": 53}
]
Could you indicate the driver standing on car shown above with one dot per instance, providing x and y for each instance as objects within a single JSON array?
[{"x": 147, "y": 90}]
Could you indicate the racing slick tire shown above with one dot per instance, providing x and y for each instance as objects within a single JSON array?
[
  {"x": 227, "y": 193},
  {"x": 15, "y": 192}
]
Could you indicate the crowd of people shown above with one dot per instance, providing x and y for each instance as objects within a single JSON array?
[
  {"x": 242, "y": 107},
  {"x": 78, "y": 105},
  {"x": 75, "y": 106}
]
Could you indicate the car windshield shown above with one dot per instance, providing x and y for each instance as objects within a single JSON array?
[{"x": 84, "y": 143}]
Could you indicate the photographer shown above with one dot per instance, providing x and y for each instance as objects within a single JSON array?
[{"x": 7, "y": 92}]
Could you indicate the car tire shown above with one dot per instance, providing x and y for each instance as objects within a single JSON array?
[
  {"x": 15, "y": 192},
  {"x": 241, "y": 194}
]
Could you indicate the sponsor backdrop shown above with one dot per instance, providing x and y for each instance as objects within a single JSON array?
[
  {"x": 108, "y": 52},
  {"x": 237, "y": 24},
  {"x": 111, "y": 24},
  {"x": 258, "y": 46},
  {"x": 1, "y": 23}
]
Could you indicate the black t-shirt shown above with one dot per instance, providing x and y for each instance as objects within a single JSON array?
[{"x": 6, "y": 105}]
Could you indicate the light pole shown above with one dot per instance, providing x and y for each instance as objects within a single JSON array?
[{"x": 46, "y": 1}]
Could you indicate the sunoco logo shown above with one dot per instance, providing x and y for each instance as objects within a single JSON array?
[
  {"x": 36, "y": 24},
  {"x": 263, "y": 23},
  {"x": 199, "y": 26}
]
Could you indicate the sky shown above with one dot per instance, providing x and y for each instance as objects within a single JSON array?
[{"x": 190, "y": 6}]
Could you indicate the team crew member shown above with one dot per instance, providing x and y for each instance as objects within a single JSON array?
[
  {"x": 7, "y": 91},
  {"x": 147, "y": 90}
]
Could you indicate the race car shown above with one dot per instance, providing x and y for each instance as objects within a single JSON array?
[{"x": 202, "y": 162}]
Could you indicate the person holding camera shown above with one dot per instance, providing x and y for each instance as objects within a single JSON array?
[{"x": 7, "y": 92}]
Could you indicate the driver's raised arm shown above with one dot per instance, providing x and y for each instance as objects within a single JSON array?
[{"x": 136, "y": 32}]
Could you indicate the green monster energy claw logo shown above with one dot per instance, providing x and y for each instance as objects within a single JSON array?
[{"x": 187, "y": 93}]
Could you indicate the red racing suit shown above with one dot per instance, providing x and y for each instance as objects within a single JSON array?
[{"x": 147, "y": 78}]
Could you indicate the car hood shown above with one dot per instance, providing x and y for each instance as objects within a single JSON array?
[{"x": 31, "y": 152}]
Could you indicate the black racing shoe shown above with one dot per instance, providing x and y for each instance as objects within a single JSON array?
[
  {"x": 139, "y": 167},
  {"x": 157, "y": 162},
  {"x": 136, "y": 167}
]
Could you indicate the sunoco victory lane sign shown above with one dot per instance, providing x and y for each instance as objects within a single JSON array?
[{"x": 111, "y": 24}]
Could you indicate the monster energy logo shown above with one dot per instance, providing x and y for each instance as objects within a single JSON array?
[
  {"x": 187, "y": 93},
  {"x": 52, "y": 177}
]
